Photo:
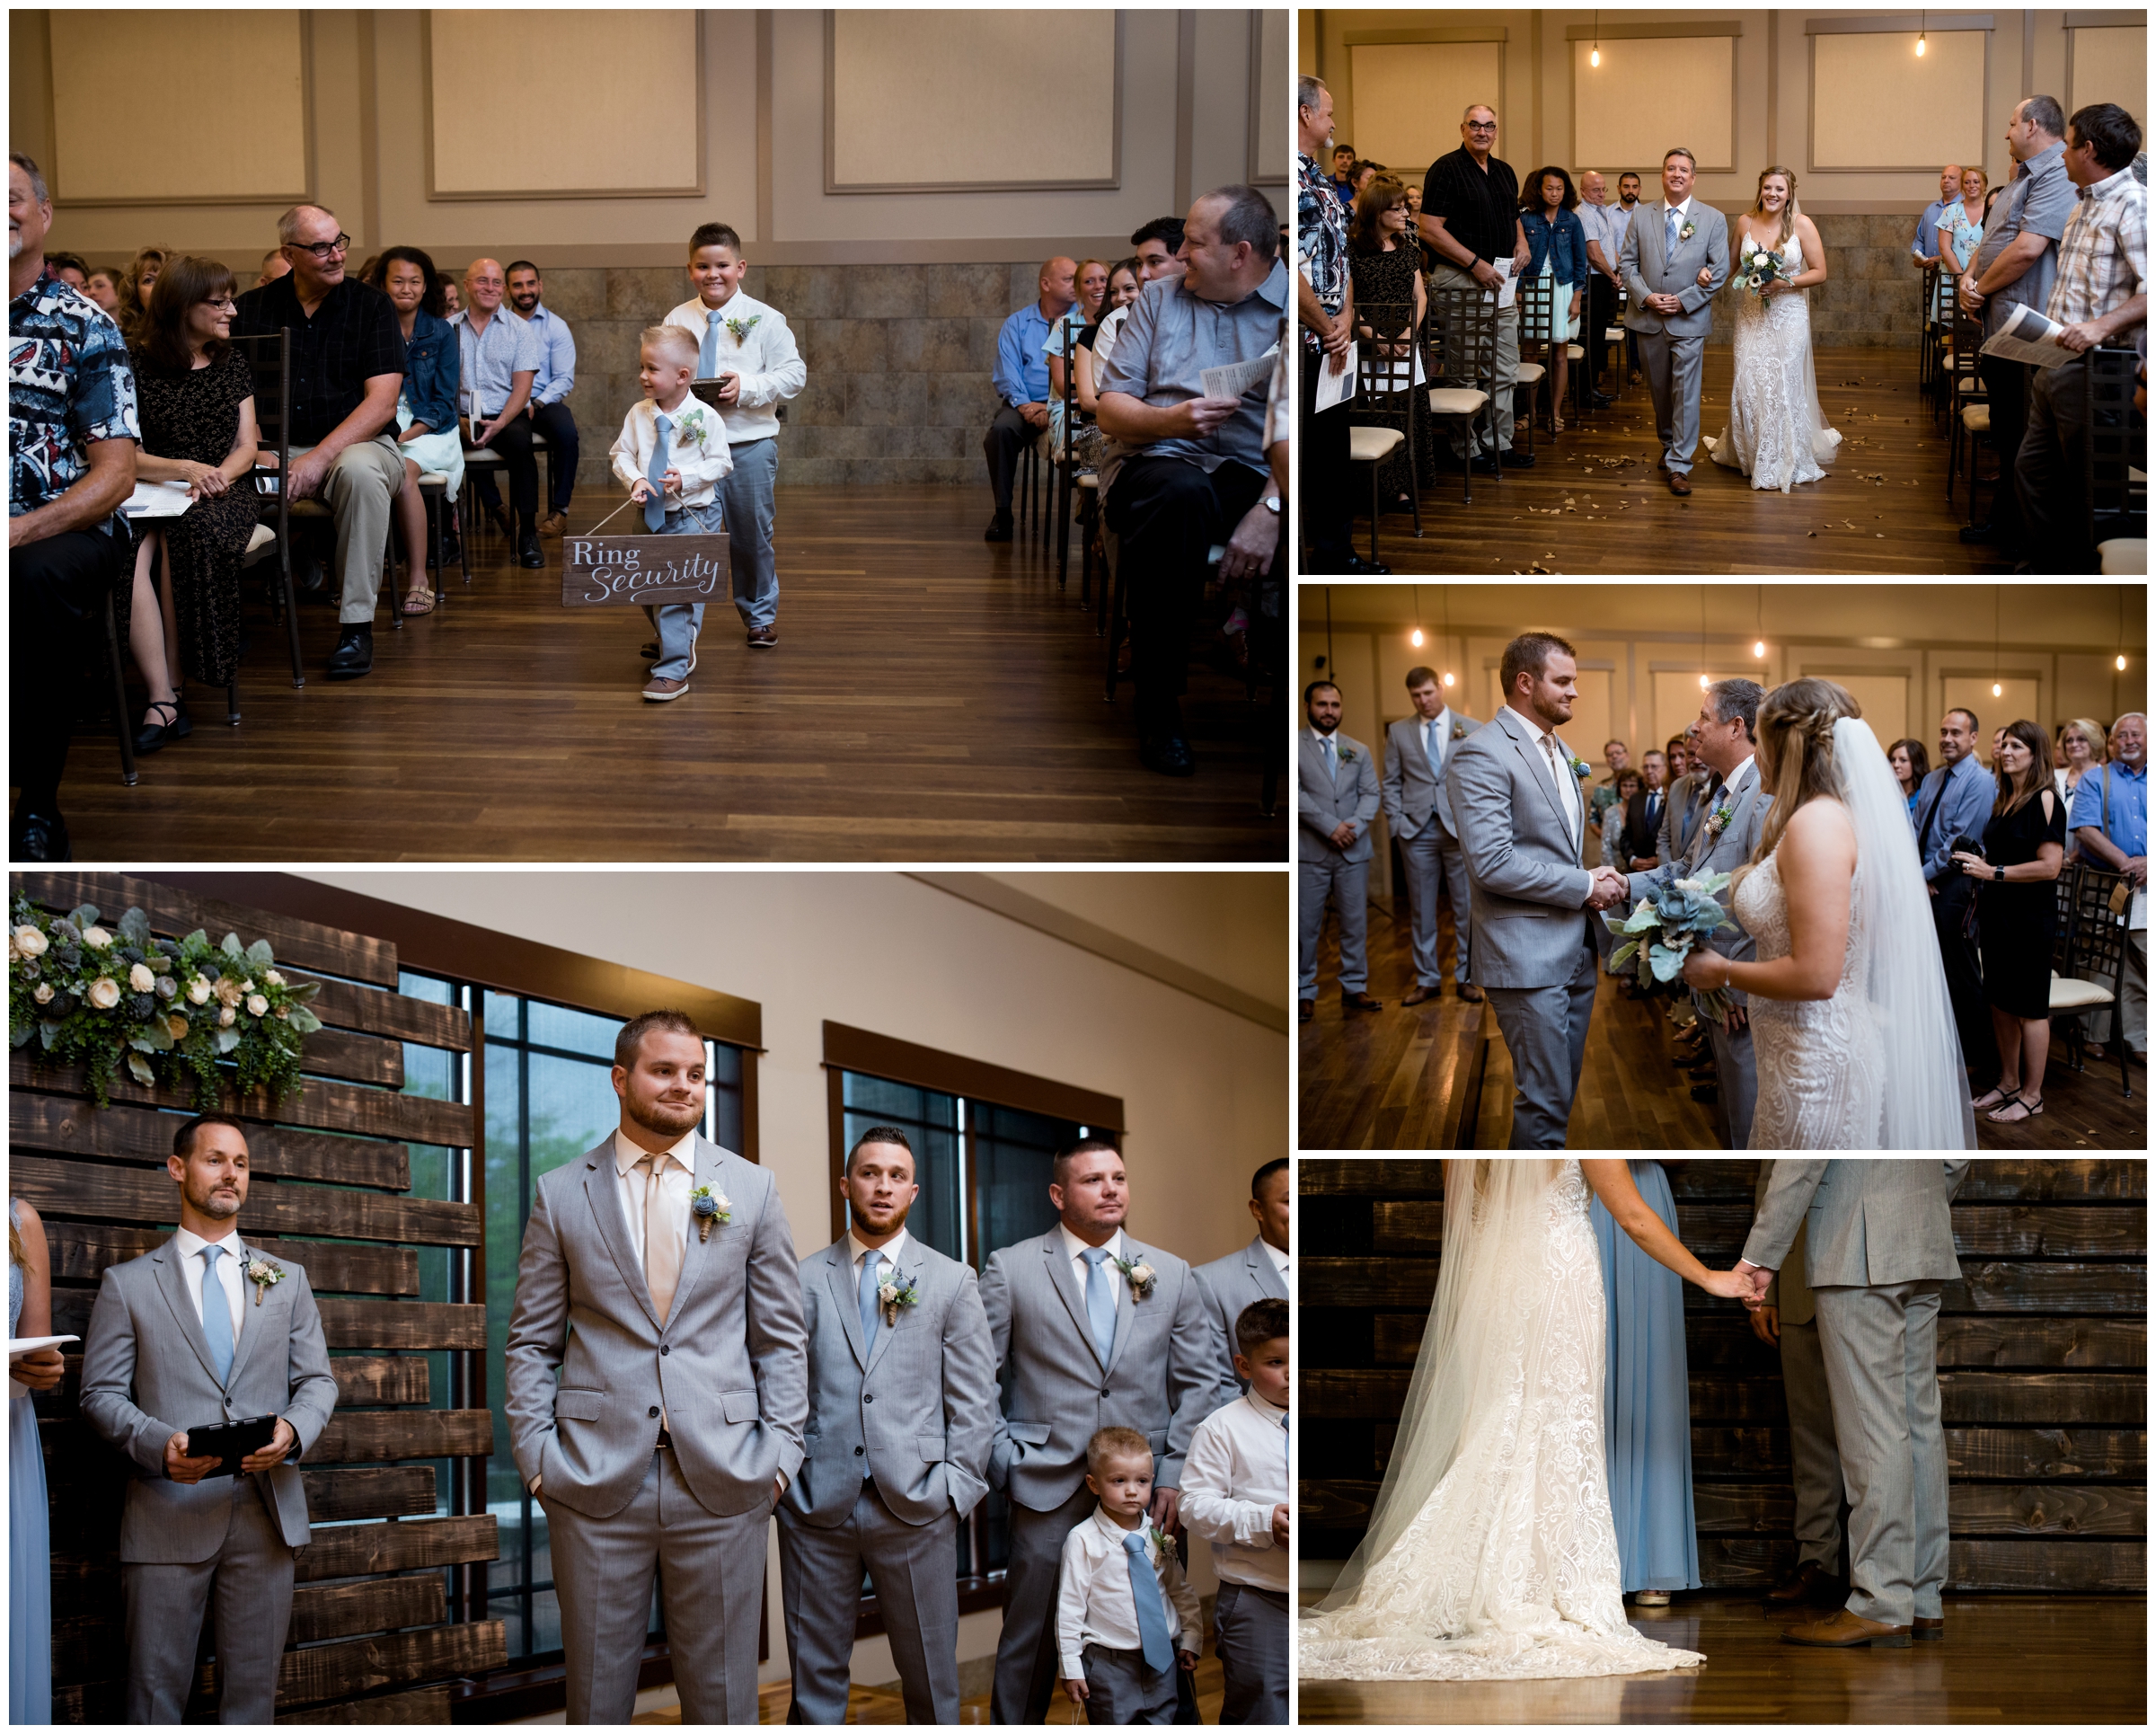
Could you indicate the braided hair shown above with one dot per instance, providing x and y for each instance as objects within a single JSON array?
[{"x": 1794, "y": 741}]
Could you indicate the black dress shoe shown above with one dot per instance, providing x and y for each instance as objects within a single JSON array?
[
  {"x": 1358, "y": 567},
  {"x": 1305, "y": 1010},
  {"x": 1978, "y": 533},
  {"x": 1168, "y": 753},
  {"x": 1517, "y": 460},
  {"x": 528, "y": 548},
  {"x": 354, "y": 655},
  {"x": 999, "y": 528},
  {"x": 314, "y": 578},
  {"x": 1601, "y": 401},
  {"x": 177, "y": 726},
  {"x": 1703, "y": 1093},
  {"x": 39, "y": 836}
]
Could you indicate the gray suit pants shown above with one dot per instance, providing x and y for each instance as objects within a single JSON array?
[
  {"x": 916, "y": 1592},
  {"x": 1434, "y": 863},
  {"x": 1815, "y": 1466},
  {"x": 748, "y": 491},
  {"x": 1249, "y": 1636},
  {"x": 247, "y": 1585},
  {"x": 1881, "y": 1349},
  {"x": 710, "y": 1572},
  {"x": 1347, "y": 883},
  {"x": 1124, "y": 1693},
  {"x": 1672, "y": 366},
  {"x": 1737, "y": 1077},
  {"x": 1545, "y": 1031},
  {"x": 1025, "y": 1654}
]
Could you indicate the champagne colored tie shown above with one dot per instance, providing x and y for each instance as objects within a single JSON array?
[
  {"x": 1549, "y": 752},
  {"x": 654, "y": 508},
  {"x": 662, "y": 1243}
]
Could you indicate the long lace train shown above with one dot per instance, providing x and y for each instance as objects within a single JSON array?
[{"x": 1776, "y": 434}]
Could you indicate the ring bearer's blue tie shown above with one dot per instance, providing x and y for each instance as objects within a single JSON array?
[
  {"x": 654, "y": 508},
  {"x": 707, "y": 359},
  {"x": 1145, "y": 1593},
  {"x": 217, "y": 1314},
  {"x": 1100, "y": 1300}
]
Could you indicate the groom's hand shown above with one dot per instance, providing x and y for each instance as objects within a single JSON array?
[
  {"x": 1164, "y": 1501},
  {"x": 1608, "y": 888}
]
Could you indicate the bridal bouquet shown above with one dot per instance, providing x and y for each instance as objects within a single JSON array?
[
  {"x": 1664, "y": 930},
  {"x": 1758, "y": 268}
]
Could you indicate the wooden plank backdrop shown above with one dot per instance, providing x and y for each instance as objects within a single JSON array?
[
  {"x": 372, "y": 1639},
  {"x": 2043, "y": 1358}
]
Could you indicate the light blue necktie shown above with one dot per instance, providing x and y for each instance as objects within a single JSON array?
[
  {"x": 1431, "y": 749},
  {"x": 868, "y": 1309},
  {"x": 1100, "y": 1300},
  {"x": 1669, "y": 236},
  {"x": 654, "y": 508},
  {"x": 707, "y": 362},
  {"x": 1146, "y": 1592},
  {"x": 217, "y": 1314},
  {"x": 1332, "y": 768}
]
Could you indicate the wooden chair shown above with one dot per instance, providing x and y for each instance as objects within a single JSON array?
[
  {"x": 2118, "y": 486},
  {"x": 1064, "y": 463},
  {"x": 2088, "y": 959},
  {"x": 1967, "y": 405},
  {"x": 1931, "y": 347},
  {"x": 1384, "y": 400},
  {"x": 1460, "y": 354}
]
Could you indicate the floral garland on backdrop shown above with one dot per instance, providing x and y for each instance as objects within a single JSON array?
[{"x": 183, "y": 1007}]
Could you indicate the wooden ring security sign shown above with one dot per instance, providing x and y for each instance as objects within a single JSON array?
[{"x": 620, "y": 572}]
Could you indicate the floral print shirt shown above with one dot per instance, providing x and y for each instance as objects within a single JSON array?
[
  {"x": 1321, "y": 239},
  {"x": 69, "y": 384}
]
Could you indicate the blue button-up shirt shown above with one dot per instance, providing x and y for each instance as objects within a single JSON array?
[
  {"x": 489, "y": 358},
  {"x": 1022, "y": 370},
  {"x": 1926, "y": 244},
  {"x": 557, "y": 356},
  {"x": 1954, "y": 802},
  {"x": 2114, "y": 799}
]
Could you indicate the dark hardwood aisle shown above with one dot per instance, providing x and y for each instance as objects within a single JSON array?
[
  {"x": 1594, "y": 502},
  {"x": 930, "y": 698},
  {"x": 2004, "y": 1659}
]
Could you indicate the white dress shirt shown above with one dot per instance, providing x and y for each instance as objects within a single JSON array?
[
  {"x": 229, "y": 1274},
  {"x": 1273, "y": 1252},
  {"x": 889, "y": 1253},
  {"x": 1093, "y": 1603},
  {"x": 1559, "y": 768},
  {"x": 767, "y": 359},
  {"x": 704, "y": 458},
  {"x": 1075, "y": 1250},
  {"x": 1236, "y": 1473},
  {"x": 1683, "y": 208},
  {"x": 676, "y": 1178}
]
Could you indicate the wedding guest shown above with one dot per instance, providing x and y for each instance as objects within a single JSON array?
[
  {"x": 453, "y": 294},
  {"x": 135, "y": 286},
  {"x": 2110, "y": 820},
  {"x": 1256, "y": 1272},
  {"x": 1423, "y": 252},
  {"x": 1911, "y": 764},
  {"x": 1388, "y": 291},
  {"x": 1617, "y": 755},
  {"x": 1093, "y": 287},
  {"x": 274, "y": 266},
  {"x": 1558, "y": 249},
  {"x": 1470, "y": 213},
  {"x": 69, "y": 269},
  {"x": 428, "y": 437},
  {"x": 2024, "y": 846},
  {"x": 1418, "y": 811},
  {"x": 1626, "y": 785},
  {"x": 1236, "y": 1495},
  {"x": 1953, "y": 804},
  {"x": 1644, "y": 826},
  {"x": 1620, "y": 220},
  {"x": 1021, "y": 384},
  {"x": 497, "y": 364},
  {"x": 1961, "y": 232},
  {"x": 29, "y": 1534},
  {"x": 103, "y": 287},
  {"x": 551, "y": 418},
  {"x": 1673, "y": 750},
  {"x": 2100, "y": 295},
  {"x": 1156, "y": 253},
  {"x": 1602, "y": 226},
  {"x": 1925, "y": 249},
  {"x": 1325, "y": 314},
  {"x": 1343, "y": 177},
  {"x": 1339, "y": 797},
  {"x": 2080, "y": 739},
  {"x": 1095, "y": 344}
]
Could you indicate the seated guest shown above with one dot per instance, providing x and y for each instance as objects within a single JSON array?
[
  {"x": 1912, "y": 765},
  {"x": 498, "y": 360},
  {"x": 427, "y": 431},
  {"x": 1069, "y": 332},
  {"x": 71, "y": 434},
  {"x": 1093, "y": 287},
  {"x": 1156, "y": 253},
  {"x": 197, "y": 427},
  {"x": 2110, "y": 821},
  {"x": 69, "y": 269},
  {"x": 103, "y": 287},
  {"x": 1021, "y": 384},
  {"x": 1386, "y": 271},
  {"x": 1091, "y": 354},
  {"x": 453, "y": 294},
  {"x": 135, "y": 286},
  {"x": 1193, "y": 471},
  {"x": 1558, "y": 249},
  {"x": 551, "y": 418},
  {"x": 274, "y": 266},
  {"x": 348, "y": 368}
]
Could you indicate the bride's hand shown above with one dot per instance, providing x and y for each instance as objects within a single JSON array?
[
  {"x": 1729, "y": 1285},
  {"x": 1704, "y": 968},
  {"x": 1706, "y": 276}
]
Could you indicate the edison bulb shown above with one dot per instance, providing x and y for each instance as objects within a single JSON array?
[
  {"x": 1760, "y": 649},
  {"x": 1702, "y": 683},
  {"x": 1415, "y": 638},
  {"x": 1920, "y": 47},
  {"x": 1595, "y": 59},
  {"x": 1997, "y": 690},
  {"x": 2122, "y": 665},
  {"x": 1448, "y": 679}
]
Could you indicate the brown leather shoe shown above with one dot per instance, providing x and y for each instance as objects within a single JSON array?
[
  {"x": 1470, "y": 993},
  {"x": 1677, "y": 484},
  {"x": 554, "y": 524},
  {"x": 1809, "y": 1582},
  {"x": 1419, "y": 995},
  {"x": 1359, "y": 1002},
  {"x": 660, "y": 690},
  {"x": 1929, "y": 1631},
  {"x": 1848, "y": 1631},
  {"x": 762, "y": 638}
]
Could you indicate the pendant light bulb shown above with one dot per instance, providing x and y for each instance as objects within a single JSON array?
[
  {"x": 1920, "y": 47},
  {"x": 1415, "y": 638},
  {"x": 1760, "y": 647},
  {"x": 1702, "y": 683},
  {"x": 1448, "y": 678},
  {"x": 1594, "y": 57},
  {"x": 1997, "y": 690},
  {"x": 2122, "y": 665}
]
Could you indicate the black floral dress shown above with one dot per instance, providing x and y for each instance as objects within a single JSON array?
[
  {"x": 195, "y": 415},
  {"x": 1387, "y": 279}
]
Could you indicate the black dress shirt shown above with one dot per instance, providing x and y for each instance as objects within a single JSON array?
[
  {"x": 1480, "y": 207},
  {"x": 352, "y": 338}
]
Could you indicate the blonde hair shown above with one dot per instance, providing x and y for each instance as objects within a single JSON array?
[
  {"x": 670, "y": 343},
  {"x": 2090, "y": 730},
  {"x": 1114, "y": 1442},
  {"x": 1789, "y": 206},
  {"x": 133, "y": 315},
  {"x": 1794, "y": 737}
]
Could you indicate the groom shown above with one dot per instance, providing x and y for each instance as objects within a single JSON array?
[
  {"x": 1669, "y": 310},
  {"x": 1882, "y": 1244},
  {"x": 1520, "y": 811}
]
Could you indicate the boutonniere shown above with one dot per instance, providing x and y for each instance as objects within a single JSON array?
[
  {"x": 1580, "y": 767},
  {"x": 690, "y": 429},
  {"x": 1719, "y": 820},
  {"x": 895, "y": 1292},
  {"x": 263, "y": 1275},
  {"x": 708, "y": 1205},
  {"x": 742, "y": 327},
  {"x": 1458, "y": 730},
  {"x": 1346, "y": 754},
  {"x": 1161, "y": 1541},
  {"x": 1140, "y": 1276},
  {"x": 1685, "y": 233}
]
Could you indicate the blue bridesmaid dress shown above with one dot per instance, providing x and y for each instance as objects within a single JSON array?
[
  {"x": 1647, "y": 1411},
  {"x": 29, "y": 1555}
]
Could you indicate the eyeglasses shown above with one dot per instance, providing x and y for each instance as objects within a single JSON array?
[
  {"x": 1482, "y": 126},
  {"x": 324, "y": 249},
  {"x": 220, "y": 301}
]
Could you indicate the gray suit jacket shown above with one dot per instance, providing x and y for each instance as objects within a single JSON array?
[
  {"x": 1678, "y": 817},
  {"x": 1528, "y": 891},
  {"x": 1789, "y": 1293},
  {"x": 919, "y": 1409},
  {"x": 1229, "y": 1285},
  {"x": 1412, "y": 791},
  {"x": 730, "y": 1366},
  {"x": 1724, "y": 852},
  {"x": 1647, "y": 272},
  {"x": 1869, "y": 1224},
  {"x": 1323, "y": 803},
  {"x": 1160, "y": 1376},
  {"x": 146, "y": 1375}
]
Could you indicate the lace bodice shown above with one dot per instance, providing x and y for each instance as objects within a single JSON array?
[{"x": 1776, "y": 433}]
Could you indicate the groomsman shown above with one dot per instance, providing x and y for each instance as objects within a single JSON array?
[
  {"x": 1093, "y": 1328},
  {"x": 1337, "y": 797},
  {"x": 1258, "y": 1272},
  {"x": 1420, "y": 814},
  {"x": 1787, "y": 1317},
  {"x": 884, "y": 1482},
  {"x": 672, "y": 1259}
]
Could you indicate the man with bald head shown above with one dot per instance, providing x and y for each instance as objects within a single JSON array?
[
  {"x": 1924, "y": 250},
  {"x": 1021, "y": 383},
  {"x": 348, "y": 365},
  {"x": 1603, "y": 225},
  {"x": 500, "y": 355}
]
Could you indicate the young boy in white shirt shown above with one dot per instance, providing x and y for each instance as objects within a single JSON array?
[
  {"x": 1124, "y": 1618},
  {"x": 675, "y": 473},
  {"x": 749, "y": 348},
  {"x": 1235, "y": 1495}
]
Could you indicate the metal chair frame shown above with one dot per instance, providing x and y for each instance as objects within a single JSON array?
[
  {"x": 1460, "y": 353},
  {"x": 1384, "y": 394}
]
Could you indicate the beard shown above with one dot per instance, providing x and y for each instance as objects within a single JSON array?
[
  {"x": 669, "y": 1118},
  {"x": 218, "y": 1206}
]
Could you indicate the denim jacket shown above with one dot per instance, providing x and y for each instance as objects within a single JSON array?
[
  {"x": 1570, "y": 240},
  {"x": 430, "y": 367}
]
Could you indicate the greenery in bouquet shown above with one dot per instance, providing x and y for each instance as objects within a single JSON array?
[
  {"x": 183, "y": 1009},
  {"x": 1760, "y": 267},
  {"x": 1664, "y": 930}
]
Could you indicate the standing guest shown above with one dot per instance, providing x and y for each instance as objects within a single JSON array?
[
  {"x": 2024, "y": 847},
  {"x": 28, "y": 1531},
  {"x": 1470, "y": 213},
  {"x": 426, "y": 430},
  {"x": 1084, "y": 1302},
  {"x": 1961, "y": 232},
  {"x": 1418, "y": 811},
  {"x": 1953, "y": 804},
  {"x": 1325, "y": 314},
  {"x": 2079, "y": 741},
  {"x": 1646, "y": 1404},
  {"x": 1021, "y": 384},
  {"x": 1643, "y": 819},
  {"x": 1788, "y": 1319},
  {"x": 1617, "y": 755},
  {"x": 882, "y": 1491},
  {"x": 1621, "y": 219},
  {"x": 1673, "y": 750},
  {"x": 1602, "y": 226},
  {"x": 1924, "y": 250},
  {"x": 197, "y": 427},
  {"x": 1911, "y": 764},
  {"x": 1235, "y": 1496},
  {"x": 71, "y": 434},
  {"x": 1387, "y": 275},
  {"x": 1339, "y": 796},
  {"x": 1629, "y": 786},
  {"x": 1343, "y": 174},
  {"x": 2101, "y": 293},
  {"x": 550, "y": 411},
  {"x": 135, "y": 286},
  {"x": 103, "y": 287},
  {"x": 497, "y": 364},
  {"x": 1258, "y": 1272},
  {"x": 1558, "y": 249},
  {"x": 172, "y": 1339},
  {"x": 69, "y": 269},
  {"x": 274, "y": 266},
  {"x": 348, "y": 367},
  {"x": 1423, "y": 252},
  {"x": 2110, "y": 820},
  {"x": 630, "y": 1505}
]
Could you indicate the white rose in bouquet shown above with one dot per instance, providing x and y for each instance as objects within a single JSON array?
[
  {"x": 224, "y": 1018},
  {"x": 104, "y": 993},
  {"x": 142, "y": 978},
  {"x": 273, "y": 978},
  {"x": 256, "y": 1005},
  {"x": 197, "y": 990},
  {"x": 96, "y": 938},
  {"x": 30, "y": 941},
  {"x": 43, "y": 994}
]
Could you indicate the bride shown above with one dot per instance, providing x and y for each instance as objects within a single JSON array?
[
  {"x": 1847, "y": 990},
  {"x": 1776, "y": 433},
  {"x": 1491, "y": 1553}
]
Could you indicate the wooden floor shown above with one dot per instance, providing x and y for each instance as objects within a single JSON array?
[
  {"x": 1382, "y": 1081},
  {"x": 2005, "y": 1659},
  {"x": 930, "y": 698},
  {"x": 1595, "y": 501}
]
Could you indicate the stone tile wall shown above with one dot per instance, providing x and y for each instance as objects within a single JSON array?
[{"x": 1873, "y": 297}]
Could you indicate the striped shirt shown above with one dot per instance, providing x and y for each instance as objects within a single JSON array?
[{"x": 2103, "y": 254}]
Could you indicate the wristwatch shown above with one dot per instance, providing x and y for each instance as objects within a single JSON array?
[{"x": 1998, "y": 872}]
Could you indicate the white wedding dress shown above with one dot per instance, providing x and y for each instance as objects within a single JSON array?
[
  {"x": 1776, "y": 433},
  {"x": 1508, "y": 1569}
]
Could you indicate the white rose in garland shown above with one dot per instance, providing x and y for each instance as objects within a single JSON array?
[
  {"x": 140, "y": 978},
  {"x": 197, "y": 991},
  {"x": 103, "y": 993},
  {"x": 257, "y": 1006},
  {"x": 29, "y": 940},
  {"x": 96, "y": 938}
]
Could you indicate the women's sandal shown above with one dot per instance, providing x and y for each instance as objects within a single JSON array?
[
  {"x": 177, "y": 726},
  {"x": 1651, "y": 1598},
  {"x": 2004, "y": 1115},
  {"x": 418, "y": 601},
  {"x": 1993, "y": 1098}
]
